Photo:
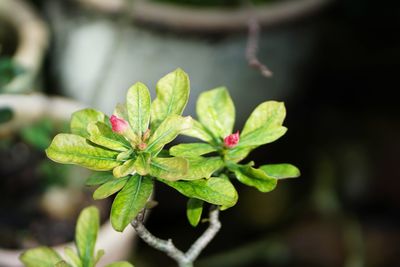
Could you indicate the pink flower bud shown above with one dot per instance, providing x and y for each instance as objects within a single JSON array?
[
  {"x": 118, "y": 125},
  {"x": 232, "y": 140}
]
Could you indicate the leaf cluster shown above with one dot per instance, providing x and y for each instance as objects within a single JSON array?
[{"x": 129, "y": 162}]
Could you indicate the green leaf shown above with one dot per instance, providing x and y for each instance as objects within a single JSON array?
[
  {"x": 82, "y": 118},
  {"x": 171, "y": 169},
  {"x": 261, "y": 136},
  {"x": 100, "y": 253},
  {"x": 194, "y": 210},
  {"x": 62, "y": 264},
  {"x": 254, "y": 177},
  {"x": 125, "y": 169},
  {"x": 86, "y": 234},
  {"x": 199, "y": 131},
  {"x": 166, "y": 132},
  {"x": 6, "y": 114},
  {"x": 270, "y": 114},
  {"x": 215, "y": 190},
  {"x": 138, "y": 102},
  {"x": 130, "y": 200},
  {"x": 74, "y": 149},
  {"x": 236, "y": 154},
  {"x": 216, "y": 111},
  {"x": 125, "y": 155},
  {"x": 101, "y": 134},
  {"x": 99, "y": 178},
  {"x": 73, "y": 257},
  {"x": 120, "y": 264},
  {"x": 40, "y": 256},
  {"x": 142, "y": 163},
  {"x": 281, "y": 171},
  {"x": 110, "y": 188},
  {"x": 201, "y": 167},
  {"x": 191, "y": 150},
  {"x": 172, "y": 95}
]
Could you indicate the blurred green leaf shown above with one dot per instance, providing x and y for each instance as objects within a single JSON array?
[
  {"x": 6, "y": 114},
  {"x": 194, "y": 210},
  {"x": 130, "y": 200},
  {"x": 138, "y": 105},
  {"x": 40, "y": 256},
  {"x": 191, "y": 150},
  {"x": 99, "y": 178},
  {"x": 74, "y": 149},
  {"x": 120, "y": 264},
  {"x": 215, "y": 190},
  {"x": 39, "y": 134},
  {"x": 172, "y": 95},
  {"x": 216, "y": 111},
  {"x": 86, "y": 234},
  {"x": 171, "y": 169},
  {"x": 110, "y": 188},
  {"x": 82, "y": 118},
  {"x": 9, "y": 70},
  {"x": 281, "y": 171},
  {"x": 73, "y": 257},
  {"x": 62, "y": 264}
]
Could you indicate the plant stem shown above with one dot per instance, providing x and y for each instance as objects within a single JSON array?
[{"x": 167, "y": 246}]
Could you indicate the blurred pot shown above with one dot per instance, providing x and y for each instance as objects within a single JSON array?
[
  {"x": 28, "y": 109},
  {"x": 31, "y": 41},
  {"x": 209, "y": 44}
]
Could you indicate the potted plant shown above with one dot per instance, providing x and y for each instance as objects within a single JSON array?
[
  {"x": 128, "y": 150},
  {"x": 42, "y": 200},
  {"x": 23, "y": 43},
  {"x": 209, "y": 41}
]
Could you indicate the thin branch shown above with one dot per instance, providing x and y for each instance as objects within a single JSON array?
[
  {"x": 195, "y": 250},
  {"x": 166, "y": 246},
  {"x": 252, "y": 47}
]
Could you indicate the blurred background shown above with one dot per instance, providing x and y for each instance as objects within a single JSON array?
[{"x": 335, "y": 64}]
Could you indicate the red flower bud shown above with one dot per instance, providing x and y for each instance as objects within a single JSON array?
[
  {"x": 118, "y": 125},
  {"x": 232, "y": 140}
]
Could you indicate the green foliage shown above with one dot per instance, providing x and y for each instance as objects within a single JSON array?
[
  {"x": 8, "y": 71},
  {"x": 130, "y": 149},
  {"x": 85, "y": 239}
]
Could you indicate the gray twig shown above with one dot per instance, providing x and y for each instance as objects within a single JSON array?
[
  {"x": 167, "y": 246},
  {"x": 252, "y": 47}
]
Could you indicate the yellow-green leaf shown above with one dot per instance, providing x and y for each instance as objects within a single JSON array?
[
  {"x": 86, "y": 234},
  {"x": 172, "y": 95},
  {"x": 254, "y": 177},
  {"x": 215, "y": 190},
  {"x": 269, "y": 114},
  {"x": 130, "y": 200},
  {"x": 74, "y": 149},
  {"x": 281, "y": 171},
  {"x": 194, "y": 210},
  {"x": 125, "y": 169},
  {"x": 82, "y": 118},
  {"x": 40, "y": 256},
  {"x": 171, "y": 169},
  {"x": 202, "y": 167},
  {"x": 62, "y": 264},
  {"x": 138, "y": 102},
  {"x": 166, "y": 132},
  {"x": 199, "y": 131},
  {"x": 142, "y": 163},
  {"x": 261, "y": 136},
  {"x": 216, "y": 111},
  {"x": 191, "y": 150},
  {"x": 109, "y": 188},
  {"x": 102, "y": 135}
]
